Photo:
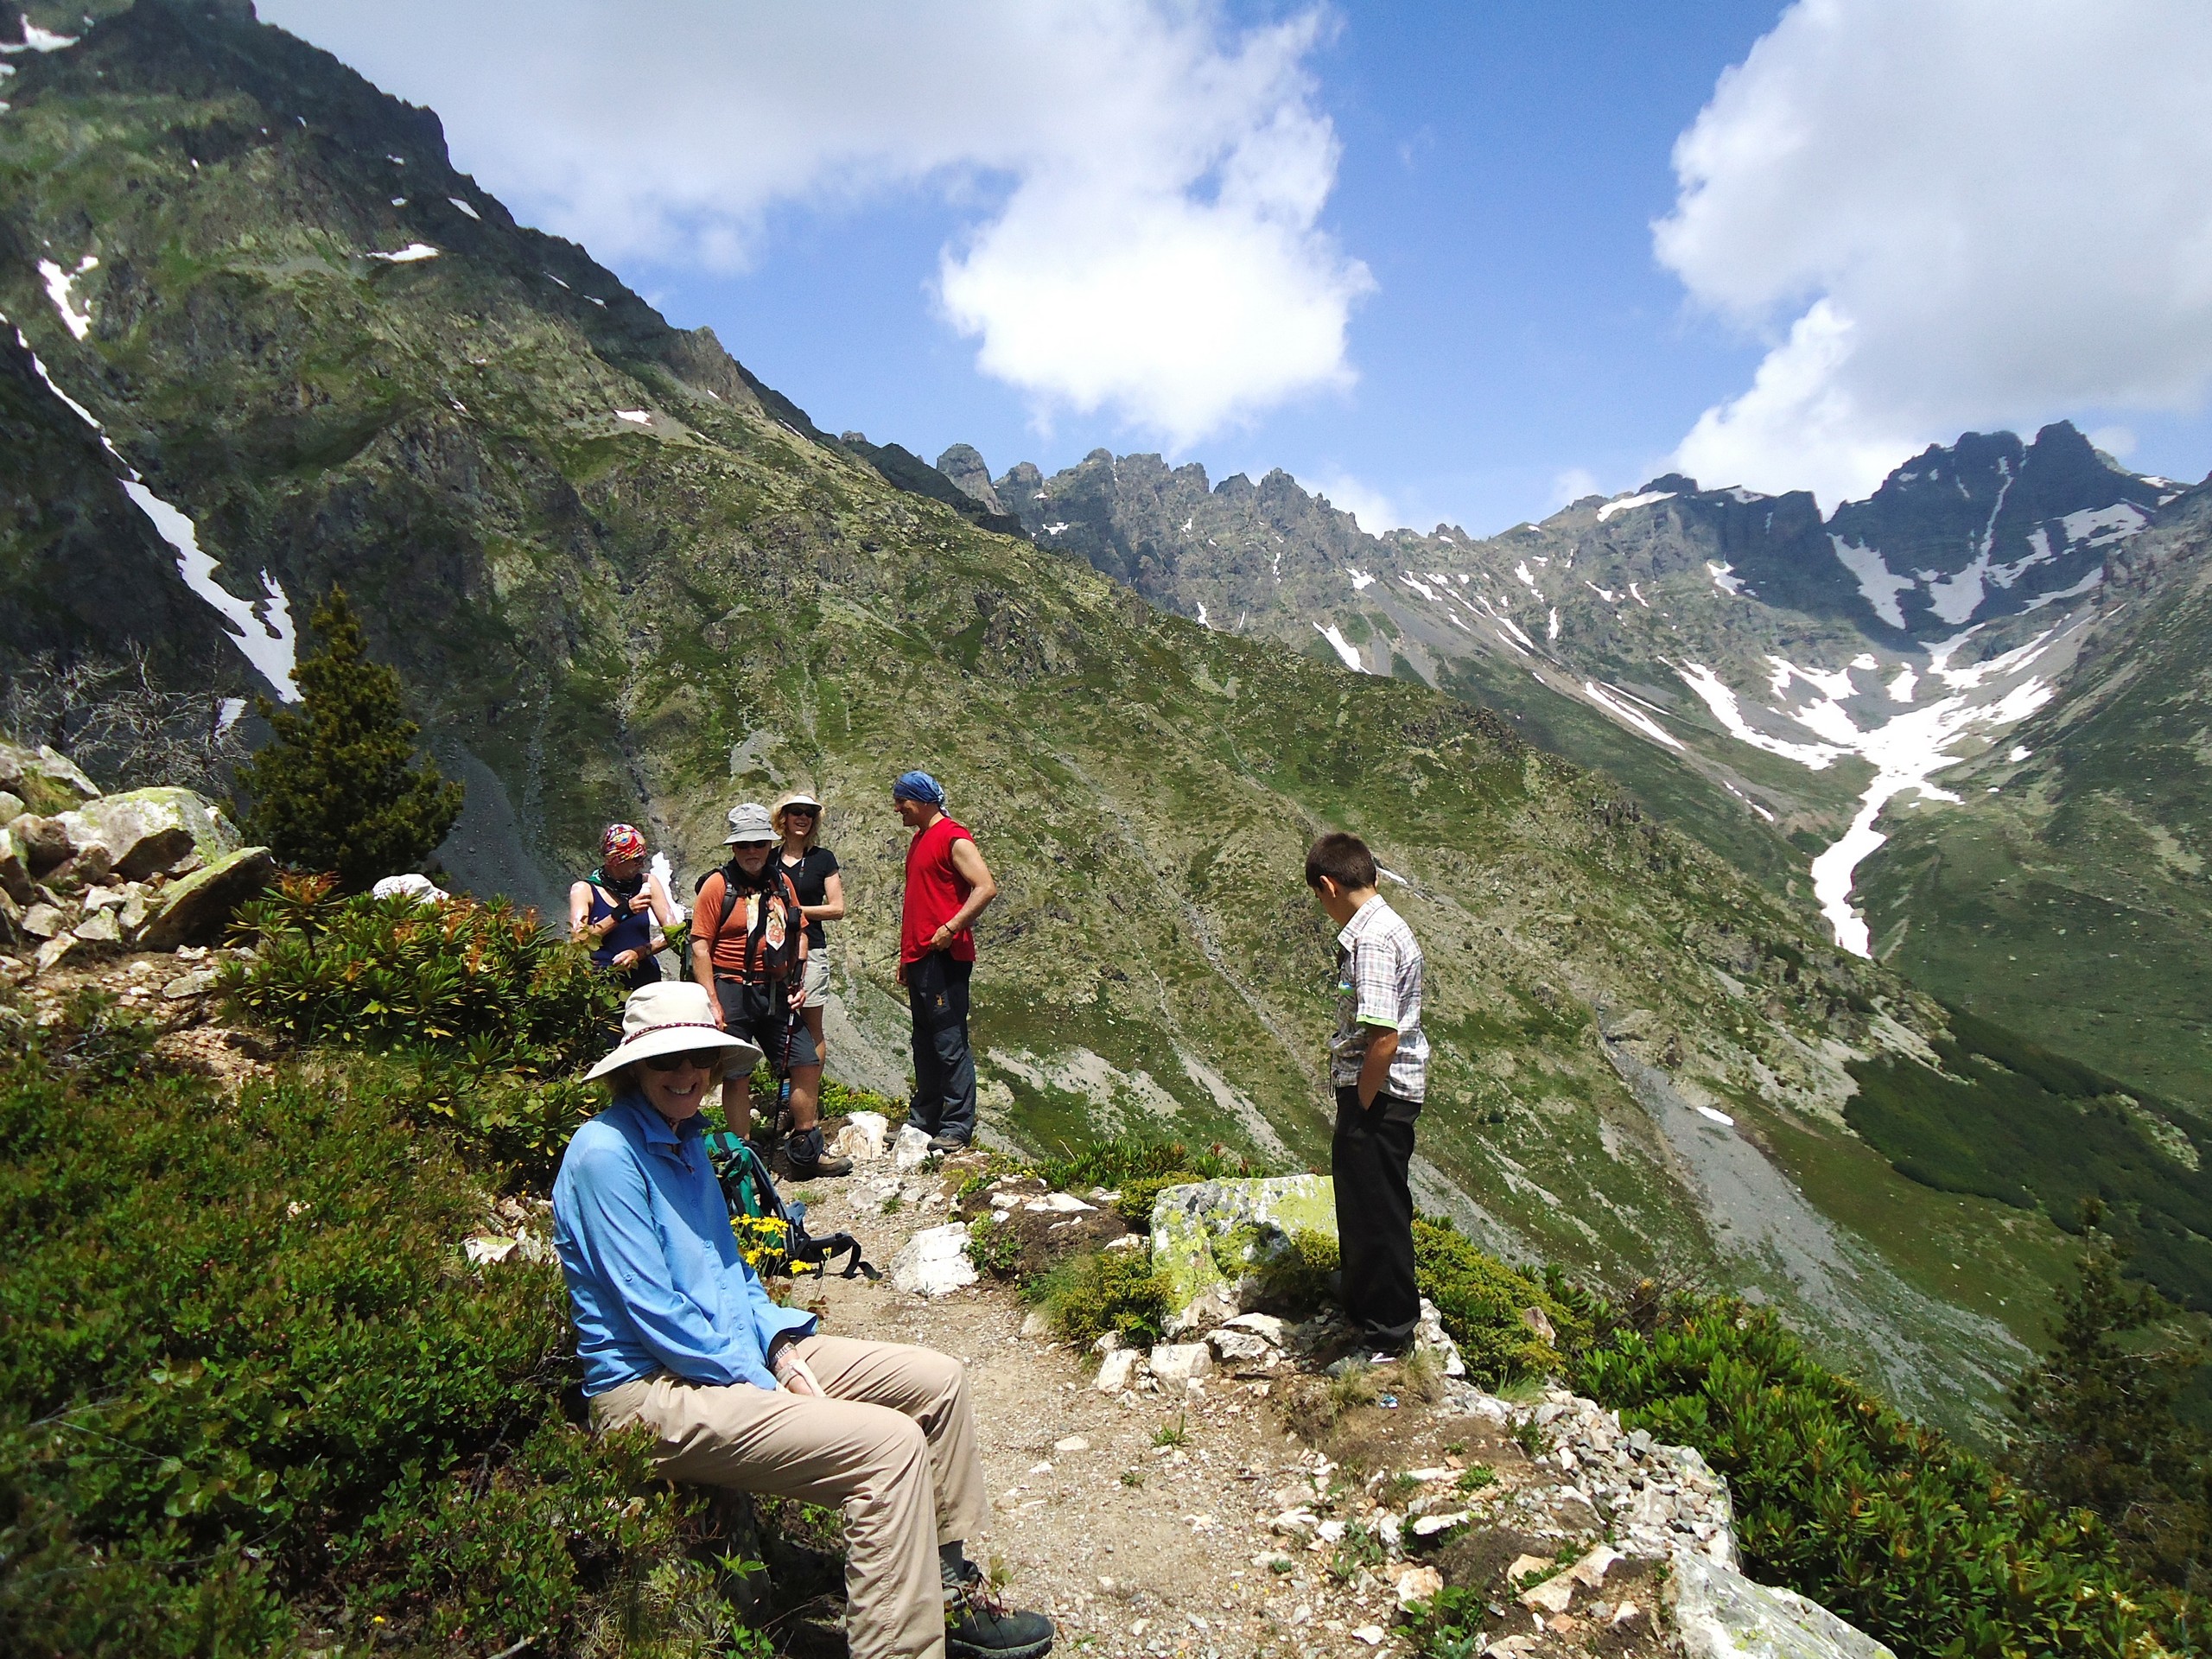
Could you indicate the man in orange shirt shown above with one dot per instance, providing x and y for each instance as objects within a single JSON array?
[
  {"x": 748, "y": 942},
  {"x": 947, "y": 884}
]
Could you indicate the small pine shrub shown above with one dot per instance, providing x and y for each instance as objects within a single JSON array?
[
  {"x": 338, "y": 790},
  {"x": 1483, "y": 1303}
]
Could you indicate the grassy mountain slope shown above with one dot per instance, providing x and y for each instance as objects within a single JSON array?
[{"x": 623, "y": 582}]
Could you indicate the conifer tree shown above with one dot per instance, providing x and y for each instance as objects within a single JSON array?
[
  {"x": 339, "y": 789},
  {"x": 2101, "y": 1417}
]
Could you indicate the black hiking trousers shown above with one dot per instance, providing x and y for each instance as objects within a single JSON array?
[
  {"x": 944, "y": 1071},
  {"x": 1369, "y": 1156}
]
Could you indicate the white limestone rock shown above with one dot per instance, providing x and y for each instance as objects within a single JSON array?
[{"x": 934, "y": 1262}]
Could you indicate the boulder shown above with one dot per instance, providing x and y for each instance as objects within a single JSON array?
[
  {"x": 1240, "y": 1348},
  {"x": 1180, "y": 1362},
  {"x": 1117, "y": 1370},
  {"x": 911, "y": 1148},
  {"x": 934, "y": 1262},
  {"x": 11, "y": 805},
  {"x": 147, "y": 830},
  {"x": 46, "y": 780},
  {"x": 193, "y": 911},
  {"x": 14, "y": 866},
  {"x": 420, "y": 888},
  {"x": 45, "y": 843},
  {"x": 45, "y": 922},
  {"x": 1224, "y": 1237},
  {"x": 99, "y": 928},
  {"x": 864, "y": 1135},
  {"x": 1720, "y": 1614}
]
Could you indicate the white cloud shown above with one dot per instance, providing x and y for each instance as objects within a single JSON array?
[
  {"x": 1374, "y": 510},
  {"x": 1146, "y": 181},
  {"x": 1572, "y": 484},
  {"x": 1950, "y": 214}
]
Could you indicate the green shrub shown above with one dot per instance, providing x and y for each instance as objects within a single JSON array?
[
  {"x": 479, "y": 980},
  {"x": 244, "y": 1364},
  {"x": 1483, "y": 1303},
  {"x": 1917, "y": 1542},
  {"x": 993, "y": 1247},
  {"x": 1109, "y": 1290}
]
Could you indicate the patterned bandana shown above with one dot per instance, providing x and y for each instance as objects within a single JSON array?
[
  {"x": 917, "y": 786},
  {"x": 621, "y": 841}
]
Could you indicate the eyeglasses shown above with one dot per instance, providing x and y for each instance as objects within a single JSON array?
[
  {"x": 800, "y": 811},
  {"x": 704, "y": 1059}
]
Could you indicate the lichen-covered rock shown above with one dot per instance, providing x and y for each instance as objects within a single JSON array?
[
  {"x": 1720, "y": 1614},
  {"x": 1210, "y": 1237},
  {"x": 45, "y": 780},
  {"x": 15, "y": 867},
  {"x": 44, "y": 842},
  {"x": 193, "y": 911},
  {"x": 147, "y": 830}
]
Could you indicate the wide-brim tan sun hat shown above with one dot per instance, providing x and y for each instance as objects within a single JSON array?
[
  {"x": 785, "y": 803},
  {"x": 673, "y": 1017}
]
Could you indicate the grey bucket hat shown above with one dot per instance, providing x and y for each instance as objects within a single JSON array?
[{"x": 748, "y": 822}]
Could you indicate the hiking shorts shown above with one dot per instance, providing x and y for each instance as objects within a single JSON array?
[
  {"x": 764, "y": 1014},
  {"x": 817, "y": 982}
]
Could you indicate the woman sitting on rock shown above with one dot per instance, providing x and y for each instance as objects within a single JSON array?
[
  {"x": 621, "y": 909},
  {"x": 676, "y": 1332}
]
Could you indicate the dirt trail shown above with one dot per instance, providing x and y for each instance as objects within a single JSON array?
[
  {"x": 1143, "y": 1522},
  {"x": 1133, "y": 1548}
]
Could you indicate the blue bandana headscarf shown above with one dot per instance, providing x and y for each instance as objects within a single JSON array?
[{"x": 918, "y": 786}]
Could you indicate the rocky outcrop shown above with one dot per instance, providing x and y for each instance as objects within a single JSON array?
[
  {"x": 1720, "y": 1614},
  {"x": 1225, "y": 1247},
  {"x": 96, "y": 875}
]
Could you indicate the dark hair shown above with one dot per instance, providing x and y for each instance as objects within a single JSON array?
[{"x": 1341, "y": 856}]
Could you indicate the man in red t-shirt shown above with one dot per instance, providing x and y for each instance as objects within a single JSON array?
[{"x": 947, "y": 884}]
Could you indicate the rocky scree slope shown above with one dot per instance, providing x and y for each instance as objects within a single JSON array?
[
  {"x": 626, "y": 582},
  {"x": 1789, "y": 690}
]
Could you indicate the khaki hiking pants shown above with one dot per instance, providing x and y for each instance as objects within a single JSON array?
[{"x": 893, "y": 1445}]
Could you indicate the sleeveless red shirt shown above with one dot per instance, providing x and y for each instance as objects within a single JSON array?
[{"x": 935, "y": 892}]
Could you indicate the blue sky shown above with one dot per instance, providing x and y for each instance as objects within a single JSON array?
[
  {"x": 1502, "y": 166},
  {"x": 1443, "y": 262}
]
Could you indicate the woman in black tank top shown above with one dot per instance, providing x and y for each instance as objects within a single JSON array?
[{"x": 813, "y": 871}]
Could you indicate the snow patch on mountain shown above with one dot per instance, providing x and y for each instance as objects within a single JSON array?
[
  {"x": 1725, "y": 579},
  {"x": 1359, "y": 578},
  {"x": 1726, "y": 709},
  {"x": 1342, "y": 646},
  {"x": 59, "y": 284},
  {"x": 1622, "y": 503},
  {"x": 2114, "y": 523},
  {"x": 1617, "y": 705},
  {"x": 408, "y": 255},
  {"x": 1878, "y": 585}
]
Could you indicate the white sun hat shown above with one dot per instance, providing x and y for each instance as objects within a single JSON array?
[{"x": 673, "y": 1017}]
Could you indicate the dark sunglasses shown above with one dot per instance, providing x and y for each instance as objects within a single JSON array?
[
  {"x": 801, "y": 812},
  {"x": 705, "y": 1059}
]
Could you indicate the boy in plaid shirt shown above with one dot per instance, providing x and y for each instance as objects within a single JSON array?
[{"x": 1378, "y": 1061}]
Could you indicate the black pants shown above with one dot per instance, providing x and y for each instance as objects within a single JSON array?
[
  {"x": 944, "y": 1071},
  {"x": 1375, "y": 1217}
]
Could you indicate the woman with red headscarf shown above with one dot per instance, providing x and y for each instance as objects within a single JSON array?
[{"x": 621, "y": 908}]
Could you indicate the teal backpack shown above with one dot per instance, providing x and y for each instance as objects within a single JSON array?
[{"x": 771, "y": 1234}]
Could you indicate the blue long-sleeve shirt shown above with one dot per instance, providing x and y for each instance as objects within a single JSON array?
[{"x": 655, "y": 1278}]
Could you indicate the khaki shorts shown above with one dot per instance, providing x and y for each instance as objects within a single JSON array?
[{"x": 816, "y": 981}]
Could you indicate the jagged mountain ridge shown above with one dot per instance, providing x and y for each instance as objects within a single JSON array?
[
  {"x": 624, "y": 581},
  {"x": 1788, "y": 689}
]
